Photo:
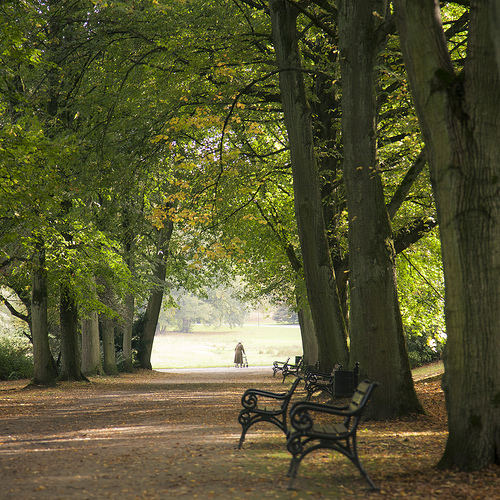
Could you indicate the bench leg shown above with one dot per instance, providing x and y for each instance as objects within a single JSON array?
[
  {"x": 296, "y": 448},
  {"x": 246, "y": 419},
  {"x": 292, "y": 472},
  {"x": 363, "y": 472},
  {"x": 242, "y": 438}
]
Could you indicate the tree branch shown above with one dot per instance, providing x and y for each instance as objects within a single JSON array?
[
  {"x": 404, "y": 188},
  {"x": 413, "y": 232}
]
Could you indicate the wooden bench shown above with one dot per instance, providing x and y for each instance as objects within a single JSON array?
[
  {"x": 289, "y": 369},
  {"x": 265, "y": 406},
  {"x": 339, "y": 435},
  {"x": 278, "y": 366},
  {"x": 339, "y": 383}
]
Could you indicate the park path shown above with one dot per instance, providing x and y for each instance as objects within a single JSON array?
[{"x": 157, "y": 435}]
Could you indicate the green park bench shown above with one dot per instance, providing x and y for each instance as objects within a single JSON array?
[
  {"x": 292, "y": 369},
  {"x": 339, "y": 435},
  {"x": 278, "y": 366}
]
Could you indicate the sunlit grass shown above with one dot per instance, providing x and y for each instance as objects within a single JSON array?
[{"x": 215, "y": 348}]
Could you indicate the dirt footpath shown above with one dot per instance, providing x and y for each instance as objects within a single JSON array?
[
  {"x": 160, "y": 435},
  {"x": 148, "y": 435}
]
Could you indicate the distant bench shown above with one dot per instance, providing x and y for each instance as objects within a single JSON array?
[
  {"x": 339, "y": 383},
  {"x": 286, "y": 368},
  {"x": 292, "y": 369},
  {"x": 278, "y": 366}
]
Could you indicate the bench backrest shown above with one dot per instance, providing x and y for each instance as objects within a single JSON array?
[
  {"x": 361, "y": 396},
  {"x": 277, "y": 363}
]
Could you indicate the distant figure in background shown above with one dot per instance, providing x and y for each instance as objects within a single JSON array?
[{"x": 239, "y": 350}]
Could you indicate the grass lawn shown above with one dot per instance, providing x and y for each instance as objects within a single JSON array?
[{"x": 206, "y": 347}]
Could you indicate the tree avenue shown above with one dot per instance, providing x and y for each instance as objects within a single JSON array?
[{"x": 148, "y": 148}]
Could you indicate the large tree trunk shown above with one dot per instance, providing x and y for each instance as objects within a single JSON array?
[
  {"x": 107, "y": 326},
  {"x": 309, "y": 340},
  {"x": 45, "y": 372},
  {"x": 129, "y": 306},
  {"x": 70, "y": 346},
  {"x": 91, "y": 349},
  {"x": 376, "y": 327},
  {"x": 318, "y": 269},
  {"x": 461, "y": 126},
  {"x": 108, "y": 345},
  {"x": 306, "y": 323},
  {"x": 155, "y": 299},
  {"x": 127, "y": 332}
]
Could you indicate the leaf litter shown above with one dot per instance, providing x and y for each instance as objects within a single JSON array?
[{"x": 155, "y": 435}]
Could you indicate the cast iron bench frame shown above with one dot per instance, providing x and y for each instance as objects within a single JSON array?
[
  {"x": 265, "y": 406},
  {"x": 289, "y": 369},
  {"x": 278, "y": 366},
  {"x": 309, "y": 436}
]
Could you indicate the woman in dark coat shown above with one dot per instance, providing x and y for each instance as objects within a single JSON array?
[{"x": 238, "y": 355}]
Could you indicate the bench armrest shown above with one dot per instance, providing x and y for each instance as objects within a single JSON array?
[
  {"x": 313, "y": 376},
  {"x": 251, "y": 396},
  {"x": 300, "y": 414},
  {"x": 306, "y": 406}
]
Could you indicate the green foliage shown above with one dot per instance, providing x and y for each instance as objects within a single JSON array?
[
  {"x": 423, "y": 348},
  {"x": 15, "y": 361},
  {"x": 172, "y": 111},
  {"x": 421, "y": 289}
]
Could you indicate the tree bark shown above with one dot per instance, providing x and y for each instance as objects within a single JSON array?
[
  {"x": 108, "y": 345},
  {"x": 91, "y": 349},
  {"x": 156, "y": 298},
  {"x": 375, "y": 323},
  {"x": 45, "y": 372},
  {"x": 318, "y": 269},
  {"x": 309, "y": 341},
  {"x": 70, "y": 346},
  {"x": 460, "y": 123},
  {"x": 127, "y": 333},
  {"x": 129, "y": 306},
  {"x": 107, "y": 327}
]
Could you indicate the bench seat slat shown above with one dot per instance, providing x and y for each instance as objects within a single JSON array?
[
  {"x": 336, "y": 429},
  {"x": 269, "y": 409}
]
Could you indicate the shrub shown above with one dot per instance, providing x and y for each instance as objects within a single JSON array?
[
  {"x": 15, "y": 359},
  {"x": 424, "y": 348}
]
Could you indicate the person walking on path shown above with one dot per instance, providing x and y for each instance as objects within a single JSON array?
[{"x": 239, "y": 350}]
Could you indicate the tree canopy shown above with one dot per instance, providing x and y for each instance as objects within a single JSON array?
[{"x": 148, "y": 147}]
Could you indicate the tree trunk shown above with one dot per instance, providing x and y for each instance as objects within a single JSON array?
[
  {"x": 108, "y": 331},
  {"x": 108, "y": 345},
  {"x": 45, "y": 372},
  {"x": 460, "y": 123},
  {"x": 155, "y": 299},
  {"x": 309, "y": 341},
  {"x": 70, "y": 346},
  {"x": 318, "y": 269},
  {"x": 129, "y": 245},
  {"x": 127, "y": 333},
  {"x": 91, "y": 349},
  {"x": 376, "y": 327}
]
